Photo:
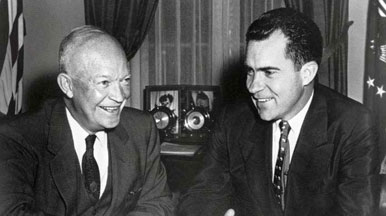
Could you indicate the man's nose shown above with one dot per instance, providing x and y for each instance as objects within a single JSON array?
[
  {"x": 255, "y": 83},
  {"x": 117, "y": 93}
]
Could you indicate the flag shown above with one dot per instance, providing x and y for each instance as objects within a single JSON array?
[
  {"x": 11, "y": 56},
  {"x": 375, "y": 77}
]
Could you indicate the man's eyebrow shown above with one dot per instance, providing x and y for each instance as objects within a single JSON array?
[
  {"x": 101, "y": 76},
  {"x": 267, "y": 68}
]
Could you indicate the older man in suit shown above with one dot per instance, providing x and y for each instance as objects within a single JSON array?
[
  {"x": 86, "y": 153},
  {"x": 295, "y": 147}
]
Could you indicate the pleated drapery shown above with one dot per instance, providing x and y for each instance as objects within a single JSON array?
[
  {"x": 199, "y": 42},
  {"x": 128, "y": 21},
  {"x": 332, "y": 18}
]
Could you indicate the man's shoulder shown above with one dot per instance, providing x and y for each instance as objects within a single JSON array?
[
  {"x": 239, "y": 111},
  {"x": 339, "y": 106},
  {"x": 29, "y": 127},
  {"x": 31, "y": 120},
  {"x": 338, "y": 101},
  {"x": 133, "y": 113},
  {"x": 132, "y": 117}
]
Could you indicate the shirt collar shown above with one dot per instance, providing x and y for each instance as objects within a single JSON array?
[
  {"x": 297, "y": 121},
  {"x": 77, "y": 130}
]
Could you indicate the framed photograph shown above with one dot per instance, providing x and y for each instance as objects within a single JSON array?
[
  {"x": 202, "y": 98},
  {"x": 183, "y": 113},
  {"x": 168, "y": 99}
]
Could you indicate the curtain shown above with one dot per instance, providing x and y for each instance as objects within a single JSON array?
[
  {"x": 332, "y": 18},
  {"x": 250, "y": 10},
  {"x": 180, "y": 43},
  {"x": 128, "y": 21},
  {"x": 305, "y": 6},
  {"x": 198, "y": 42}
]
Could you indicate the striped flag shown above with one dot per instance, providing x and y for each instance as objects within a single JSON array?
[{"x": 11, "y": 56}]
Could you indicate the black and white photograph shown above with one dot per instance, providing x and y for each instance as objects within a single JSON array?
[
  {"x": 168, "y": 99},
  {"x": 203, "y": 99},
  {"x": 193, "y": 107}
]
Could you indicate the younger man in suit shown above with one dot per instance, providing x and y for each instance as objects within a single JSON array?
[
  {"x": 84, "y": 154},
  {"x": 294, "y": 147}
]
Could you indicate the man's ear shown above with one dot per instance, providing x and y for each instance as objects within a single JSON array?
[
  {"x": 65, "y": 84},
  {"x": 308, "y": 72}
]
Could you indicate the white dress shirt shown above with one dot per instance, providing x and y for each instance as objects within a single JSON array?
[
  {"x": 296, "y": 124},
  {"x": 101, "y": 152}
]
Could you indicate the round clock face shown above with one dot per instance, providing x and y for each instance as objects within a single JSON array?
[
  {"x": 162, "y": 119},
  {"x": 194, "y": 120}
]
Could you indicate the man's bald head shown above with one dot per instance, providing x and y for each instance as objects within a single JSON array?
[{"x": 84, "y": 39}]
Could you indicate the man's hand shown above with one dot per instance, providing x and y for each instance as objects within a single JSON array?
[{"x": 230, "y": 212}]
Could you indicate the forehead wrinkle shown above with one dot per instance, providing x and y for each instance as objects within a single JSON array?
[
  {"x": 277, "y": 41},
  {"x": 87, "y": 41},
  {"x": 78, "y": 39},
  {"x": 95, "y": 54}
]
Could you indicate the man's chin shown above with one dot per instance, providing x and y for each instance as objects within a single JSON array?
[
  {"x": 110, "y": 124},
  {"x": 265, "y": 116}
]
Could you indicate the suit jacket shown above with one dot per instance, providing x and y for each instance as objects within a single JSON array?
[
  {"x": 333, "y": 171},
  {"x": 39, "y": 166}
]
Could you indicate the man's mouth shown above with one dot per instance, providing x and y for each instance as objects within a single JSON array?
[
  {"x": 263, "y": 100},
  {"x": 110, "y": 109}
]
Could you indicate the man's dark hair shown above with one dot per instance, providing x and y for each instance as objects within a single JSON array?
[{"x": 305, "y": 41}]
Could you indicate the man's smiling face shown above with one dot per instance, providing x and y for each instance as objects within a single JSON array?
[
  {"x": 101, "y": 85},
  {"x": 275, "y": 86}
]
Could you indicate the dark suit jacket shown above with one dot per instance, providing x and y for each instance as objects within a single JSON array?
[
  {"x": 38, "y": 165},
  {"x": 333, "y": 171}
]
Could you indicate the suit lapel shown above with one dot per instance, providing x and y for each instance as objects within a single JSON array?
[
  {"x": 64, "y": 164},
  {"x": 313, "y": 135},
  {"x": 124, "y": 162},
  {"x": 308, "y": 153},
  {"x": 256, "y": 152}
]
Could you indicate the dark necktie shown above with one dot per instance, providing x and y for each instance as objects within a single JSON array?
[
  {"x": 90, "y": 168},
  {"x": 282, "y": 163}
]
